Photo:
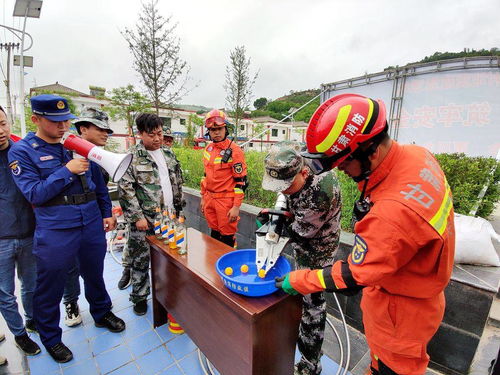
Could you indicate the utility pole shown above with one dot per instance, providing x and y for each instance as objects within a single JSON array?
[{"x": 9, "y": 47}]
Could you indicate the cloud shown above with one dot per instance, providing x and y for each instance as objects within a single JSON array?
[{"x": 296, "y": 44}]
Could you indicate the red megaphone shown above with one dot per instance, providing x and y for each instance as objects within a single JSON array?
[{"x": 115, "y": 164}]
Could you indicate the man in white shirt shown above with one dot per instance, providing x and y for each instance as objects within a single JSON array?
[{"x": 154, "y": 179}]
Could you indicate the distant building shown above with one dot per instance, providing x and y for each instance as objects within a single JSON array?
[{"x": 176, "y": 118}]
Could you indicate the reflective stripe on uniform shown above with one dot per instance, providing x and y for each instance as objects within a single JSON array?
[{"x": 440, "y": 219}]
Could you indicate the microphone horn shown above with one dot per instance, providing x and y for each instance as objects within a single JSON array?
[{"x": 115, "y": 164}]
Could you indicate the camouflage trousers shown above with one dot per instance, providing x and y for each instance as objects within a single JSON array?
[
  {"x": 311, "y": 333},
  {"x": 138, "y": 256}
]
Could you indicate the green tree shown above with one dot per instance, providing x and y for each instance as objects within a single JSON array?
[
  {"x": 238, "y": 85},
  {"x": 125, "y": 103},
  {"x": 260, "y": 103},
  {"x": 192, "y": 126},
  {"x": 257, "y": 129},
  {"x": 156, "y": 56}
]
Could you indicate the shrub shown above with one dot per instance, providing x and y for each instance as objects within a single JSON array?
[{"x": 466, "y": 176}]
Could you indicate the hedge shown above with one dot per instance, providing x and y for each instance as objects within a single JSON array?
[{"x": 466, "y": 176}]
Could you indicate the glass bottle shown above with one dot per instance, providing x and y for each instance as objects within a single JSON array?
[
  {"x": 171, "y": 232},
  {"x": 157, "y": 223},
  {"x": 164, "y": 227},
  {"x": 181, "y": 235}
]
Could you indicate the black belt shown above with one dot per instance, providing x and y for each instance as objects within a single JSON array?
[{"x": 70, "y": 199}]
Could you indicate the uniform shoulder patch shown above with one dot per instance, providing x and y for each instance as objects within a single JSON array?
[
  {"x": 238, "y": 168},
  {"x": 359, "y": 250},
  {"x": 15, "y": 168}
]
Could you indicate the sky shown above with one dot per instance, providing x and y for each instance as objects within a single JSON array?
[{"x": 294, "y": 44}]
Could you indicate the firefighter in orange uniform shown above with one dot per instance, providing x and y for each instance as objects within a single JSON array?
[
  {"x": 403, "y": 251},
  {"x": 225, "y": 181}
]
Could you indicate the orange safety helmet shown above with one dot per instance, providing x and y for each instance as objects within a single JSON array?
[
  {"x": 341, "y": 124},
  {"x": 215, "y": 118}
]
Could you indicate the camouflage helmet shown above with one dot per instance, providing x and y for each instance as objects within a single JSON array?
[
  {"x": 282, "y": 164},
  {"x": 167, "y": 133},
  {"x": 94, "y": 116}
]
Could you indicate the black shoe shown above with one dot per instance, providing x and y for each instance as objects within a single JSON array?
[
  {"x": 125, "y": 279},
  {"x": 30, "y": 326},
  {"x": 140, "y": 308},
  {"x": 73, "y": 317},
  {"x": 60, "y": 353},
  {"x": 111, "y": 322},
  {"x": 27, "y": 345}
]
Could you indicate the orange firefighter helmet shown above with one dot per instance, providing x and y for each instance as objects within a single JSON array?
[{"x": 341, "y": 124}]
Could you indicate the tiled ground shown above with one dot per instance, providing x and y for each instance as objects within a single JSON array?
[{"x": 139, "y": 349}]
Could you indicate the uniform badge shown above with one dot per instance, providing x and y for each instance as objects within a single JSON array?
[
  {"x": 359, "y": 250},
  {"x": 16, "y": 169},
  {"x": 273, "y": 173},
  {"x": 210, "y": 149},
  {"x": 46, "y": 157},
  {"x": 222, "y": 152},
  {"x": 60, "y": 104},
  {"x": 238, "y": 168}
]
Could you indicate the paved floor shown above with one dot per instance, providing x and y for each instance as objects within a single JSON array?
[{"x": 139, "y": 349}]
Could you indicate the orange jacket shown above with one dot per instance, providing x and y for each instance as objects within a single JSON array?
[
  {"x": 402, "y": 256},
  {"x": 225, "y": 179}
]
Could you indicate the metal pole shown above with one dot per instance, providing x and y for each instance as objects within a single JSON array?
[
  {"x": 9, "y": 47},
  {"x": 21, "y": 80}
]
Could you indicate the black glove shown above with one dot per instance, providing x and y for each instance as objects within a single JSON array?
[{"x": 262, "y": 218}]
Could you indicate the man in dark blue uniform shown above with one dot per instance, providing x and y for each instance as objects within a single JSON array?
[{"x": 72, "y": 208}]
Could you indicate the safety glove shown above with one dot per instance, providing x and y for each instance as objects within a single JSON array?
[
  {"x": 283, "y": 282},
  {"x": 262, "y": 218}
]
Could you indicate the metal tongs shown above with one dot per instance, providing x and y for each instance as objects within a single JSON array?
[{"x": 272, "y": 237}]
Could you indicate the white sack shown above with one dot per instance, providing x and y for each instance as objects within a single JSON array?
[{"x": 474, "y": 245}]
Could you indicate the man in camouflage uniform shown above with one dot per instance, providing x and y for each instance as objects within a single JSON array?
[
  {"x": 314, "y": 201},
  {"x": 154, "y": 179}
]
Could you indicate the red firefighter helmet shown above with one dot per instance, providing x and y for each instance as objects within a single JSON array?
[
  {"x": 215, "y": 119},
  {"x": 341, "y": 124}
]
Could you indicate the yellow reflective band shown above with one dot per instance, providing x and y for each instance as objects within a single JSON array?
[
  {"x": 218, "y": 160},
  {"x": 238, "y": 191},
  {"x": 206, "y": 155},
  {"x": 440, "y": 219},
  {"x": 337, "y": 128},
  {"x": 369, "y": 116},
  {"x": 321, "y": 278}
]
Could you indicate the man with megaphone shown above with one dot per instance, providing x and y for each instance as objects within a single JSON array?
[
  {"x": 72, "y": 207},
  {"x": 92, "y": 126}
]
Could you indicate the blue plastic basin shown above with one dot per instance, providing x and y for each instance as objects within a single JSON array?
[{"x": 249, "y": 284}]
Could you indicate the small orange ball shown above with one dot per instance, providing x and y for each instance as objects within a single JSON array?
[
  {"x": 262, "y": 273},
  {"x": 228, "y": 271},
  {"x": 244, "y": 268}
]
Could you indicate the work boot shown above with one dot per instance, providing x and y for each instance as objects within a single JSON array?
[
  {"x": 140, "y": 308},
  {"x": 125, "y": 279},
  {"x": 302, "y": 370},
  {"x": 60, "y": 353},
  {"x": 27, "y": 345},
  {"x": 73, "y": 317},
  {"x": 111, "y": 322},
  {"x": 3, "y": 360},
  {"x": 30, "y": 326}
]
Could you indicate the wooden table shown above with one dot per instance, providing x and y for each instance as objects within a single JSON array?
[{"x": 239, "y": 335}]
